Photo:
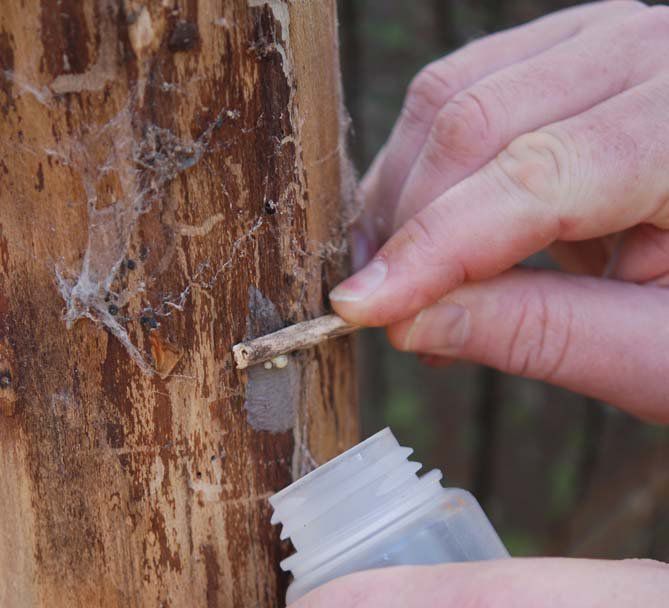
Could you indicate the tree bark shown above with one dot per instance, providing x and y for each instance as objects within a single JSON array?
[{"x": 170, "y": 184}]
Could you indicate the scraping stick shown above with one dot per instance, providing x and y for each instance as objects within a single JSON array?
[{"x": 286, "y": 340}]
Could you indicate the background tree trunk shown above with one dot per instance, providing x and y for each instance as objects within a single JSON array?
[{"x": 169, "y": 184}]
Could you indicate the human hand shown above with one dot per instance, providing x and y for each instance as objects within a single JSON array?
[
  {"x": 554, "y": 134},
  {"x": 510, "y": 583}
]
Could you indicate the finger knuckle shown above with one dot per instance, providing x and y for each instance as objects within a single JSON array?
[
  {"x": 464, "y": 129},
  {"x": 429, "y": 91},
  {"x": 538, "y": 164},
  {"x": 540, "y": 337}
]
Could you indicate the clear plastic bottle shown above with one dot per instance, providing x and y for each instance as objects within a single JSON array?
[{"x": 367, "y": 508}]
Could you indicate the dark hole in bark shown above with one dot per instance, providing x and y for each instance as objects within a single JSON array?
[{"x": 184, "y": 37}]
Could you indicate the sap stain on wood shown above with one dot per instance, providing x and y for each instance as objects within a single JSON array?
[
  {"x": 8, "y": 379},
  {"x": 64, "y": 32},
  {"x": 212, "y": 570}
]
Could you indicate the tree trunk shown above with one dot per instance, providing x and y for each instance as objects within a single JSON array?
[{"x": 169, "y": 185}]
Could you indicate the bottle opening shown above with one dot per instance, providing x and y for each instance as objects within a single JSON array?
[{"x": 348, "y": 498}]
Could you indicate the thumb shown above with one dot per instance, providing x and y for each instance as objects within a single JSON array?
[
  {"x": 606, "y": 339},
  {"x": 517, "y": 583}
]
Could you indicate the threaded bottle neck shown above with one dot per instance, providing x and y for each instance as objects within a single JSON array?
[{"x": 349, "y": 499}]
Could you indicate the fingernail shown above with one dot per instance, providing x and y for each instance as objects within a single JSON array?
[
  {"x": 440, "y": 330},
  {"x": 361, "y": 285}
]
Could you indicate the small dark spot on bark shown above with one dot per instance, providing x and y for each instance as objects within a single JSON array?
[
  {"x": 270, "y": 207},
  {"x": 184, "y": 37},
  {"x": 198, "y": 474},
  {"x": 5, "y": 379},
  {"x": 113, "y": 309},
  {"x": 143, "y": 252},
  {"x": 39, "y": 186},
  {"x": 131, "y": 264},
  {"x": 149, "y": 321}
]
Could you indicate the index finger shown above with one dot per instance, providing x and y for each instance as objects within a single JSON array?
[
  {"x": 597, "y": 173},
  {"x": 444, "y": 78}
]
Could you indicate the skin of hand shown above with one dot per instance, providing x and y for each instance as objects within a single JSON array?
[
  {"x": 512, "y": 583},
  {"x": 551, "y": 135}
]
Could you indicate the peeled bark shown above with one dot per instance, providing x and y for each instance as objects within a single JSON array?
[{"x": 170, "y": 184}]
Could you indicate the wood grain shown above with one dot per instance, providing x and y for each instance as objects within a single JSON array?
[{"x": 173, "y": 155}]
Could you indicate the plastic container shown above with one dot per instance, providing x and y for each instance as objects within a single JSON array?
[{"x": 367, "y": 509}]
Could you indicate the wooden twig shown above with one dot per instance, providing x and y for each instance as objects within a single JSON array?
[{"x": 286, "y": 340}]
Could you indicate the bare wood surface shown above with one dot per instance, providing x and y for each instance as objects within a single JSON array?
[
  {"x": 159, "y": 159},
  {"x": 289, "y": 339}
]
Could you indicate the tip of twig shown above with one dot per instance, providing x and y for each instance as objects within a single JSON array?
[
  {"x": 286, "y": 340},
  {"x": 241, "y": 354}
]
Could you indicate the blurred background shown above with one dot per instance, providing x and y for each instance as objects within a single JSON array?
[{"x": 557, "y": 473}]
